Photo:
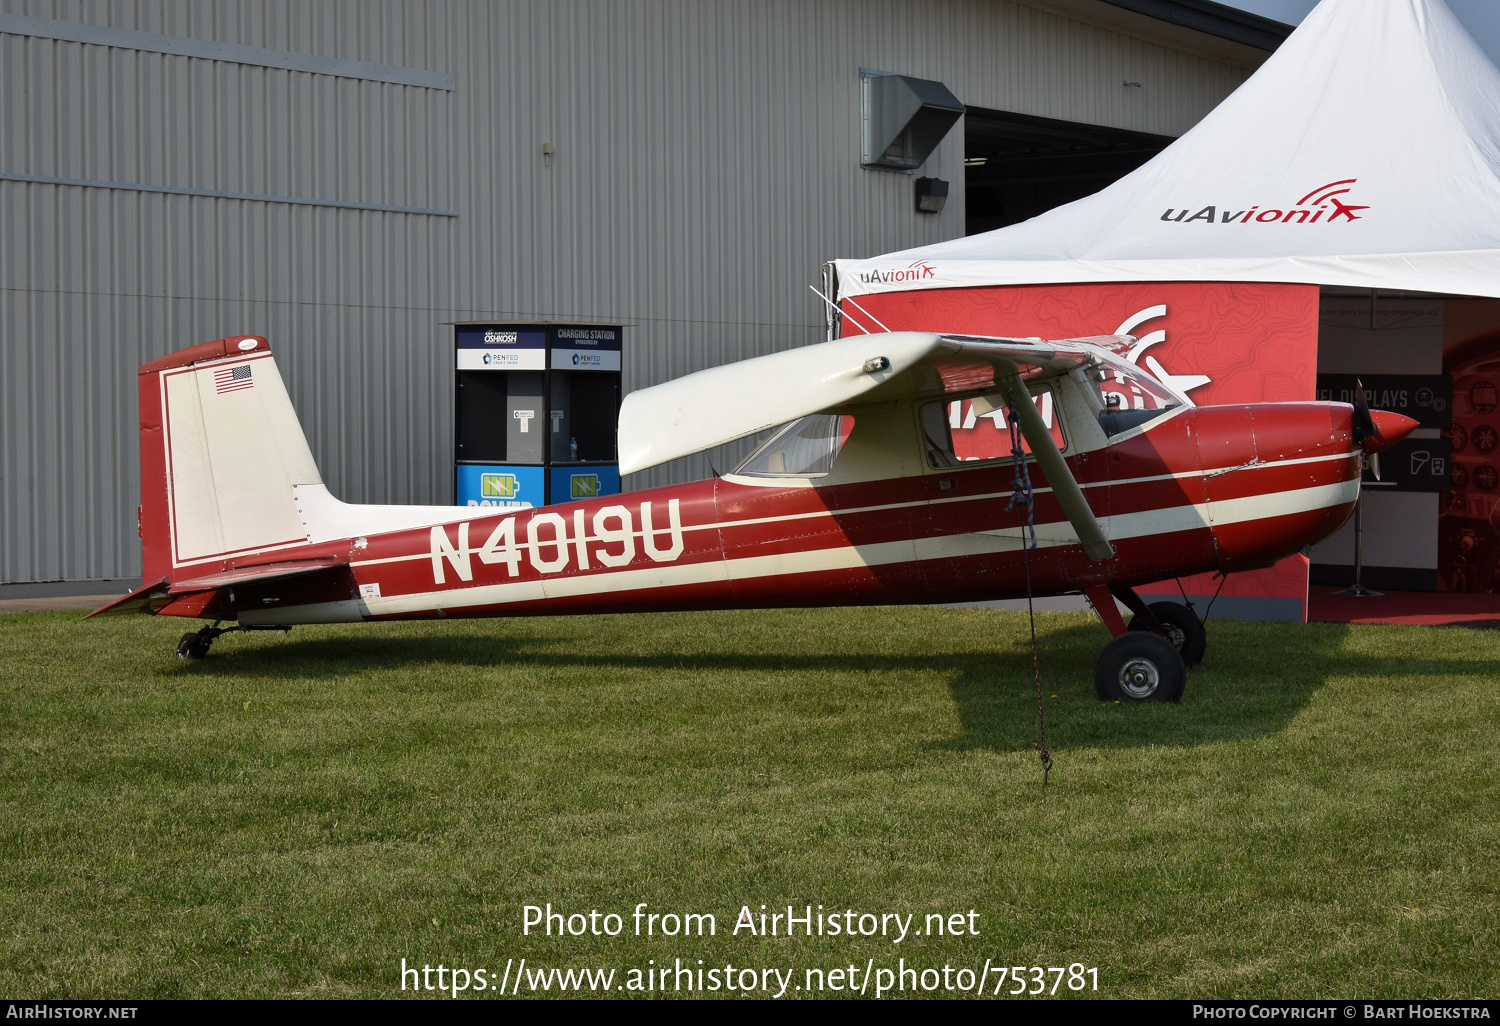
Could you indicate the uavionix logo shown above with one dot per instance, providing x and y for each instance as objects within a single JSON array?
[
  {"x": 917, "y": 270},
  {"x": 1308, "y": 210}
]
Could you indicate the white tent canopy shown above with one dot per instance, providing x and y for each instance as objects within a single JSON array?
[{"x": 1365, "y": 152}]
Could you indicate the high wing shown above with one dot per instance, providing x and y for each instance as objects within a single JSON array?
[{"x": 722, "y": 404}]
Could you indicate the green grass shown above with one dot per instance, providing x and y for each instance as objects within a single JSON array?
[{"x": 293, "y": 816}]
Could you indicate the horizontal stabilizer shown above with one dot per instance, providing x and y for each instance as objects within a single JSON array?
[
  {"x": 262, "y": 572},
  {"x": 143, "y": 600},
  {"x": 150, "y": 597}
]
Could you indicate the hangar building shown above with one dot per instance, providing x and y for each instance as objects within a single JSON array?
[{"x": 357, "y": 180}]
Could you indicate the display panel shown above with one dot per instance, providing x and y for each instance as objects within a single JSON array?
[
  {"x": 544, "y": 396},
  {"x": 586, "y": 349},
  {"x": 570, "y": 484},
  {"x": 507, "y": 487},
  {"x": 1425, "y": 398},
  {"x": 501, "y": 348},
  {"x": 1469, "y": 521}
]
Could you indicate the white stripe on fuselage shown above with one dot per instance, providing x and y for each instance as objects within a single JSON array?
[
  {"x": 912, "y": 504},
  {"x": 1162, "y": 521}
]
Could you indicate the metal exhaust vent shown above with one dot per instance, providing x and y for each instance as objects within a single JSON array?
[{"x": 904, "y": 119}]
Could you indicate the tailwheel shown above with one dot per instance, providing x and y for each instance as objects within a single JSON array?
[
  {"x": 1139, "y": 666},
  {"x": 1184, "y": 630},
  {"x": 196, "y": 645}
]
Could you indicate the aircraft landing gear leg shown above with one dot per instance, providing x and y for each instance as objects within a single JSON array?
[
  {"x": 1103, "y": 602},
  {"x": 1171, "y": 620},
  {"x": 197, "y": 644}
]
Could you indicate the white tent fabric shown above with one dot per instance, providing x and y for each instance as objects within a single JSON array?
[{"x": 1365, "y": 152}]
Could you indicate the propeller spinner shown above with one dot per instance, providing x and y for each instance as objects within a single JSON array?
[{"x": 1378, "y": 430}]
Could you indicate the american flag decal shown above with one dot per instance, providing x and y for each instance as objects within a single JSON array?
[{"x": 232, "y": 379}]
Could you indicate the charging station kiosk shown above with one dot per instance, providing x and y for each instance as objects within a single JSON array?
[{"x": 535, "y": 413}]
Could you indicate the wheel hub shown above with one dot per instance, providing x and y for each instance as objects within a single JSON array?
[{"x": 1139, "y": 677}]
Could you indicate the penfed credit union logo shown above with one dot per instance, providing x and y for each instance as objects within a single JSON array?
[
  {"x": 1328, "y": 204},
  {"x": 498, "y": 486},
  {"x": 917, "y": 270}
]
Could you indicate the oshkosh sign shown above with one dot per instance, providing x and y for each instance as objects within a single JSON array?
[{"x": 1310, "y": 209}]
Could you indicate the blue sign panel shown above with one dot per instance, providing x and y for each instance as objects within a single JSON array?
[
  {"x": 502, "y": 349},
  {"x": 505, "y": 487},
  {"x": 569, "y": 484}
]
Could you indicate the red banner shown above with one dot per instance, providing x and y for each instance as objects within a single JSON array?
[{"x": 1216, "y": 342}]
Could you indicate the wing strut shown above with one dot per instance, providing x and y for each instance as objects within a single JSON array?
[{"x": 1064, "y": 485}]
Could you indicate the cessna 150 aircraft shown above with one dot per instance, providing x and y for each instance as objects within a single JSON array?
[{"x": 888, "y": 479}]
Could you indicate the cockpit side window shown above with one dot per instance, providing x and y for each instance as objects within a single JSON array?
[
  {"x": 937, "y": 442},
  {"x": 808, "y": 447},
  {"x": 976, "y": 429}
]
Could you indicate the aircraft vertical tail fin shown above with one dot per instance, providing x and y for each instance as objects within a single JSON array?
[{"x": 221, "y": 450}]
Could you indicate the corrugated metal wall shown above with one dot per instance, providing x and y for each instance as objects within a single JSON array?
[{"x": 705, "y": 162}]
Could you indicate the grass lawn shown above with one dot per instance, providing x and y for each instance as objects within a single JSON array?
[{"x": 1320, "y": 817}]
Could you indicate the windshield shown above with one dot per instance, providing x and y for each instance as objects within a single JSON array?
[
  {"x": 1131, "y": 396},
  {"x": 1127, "y": 387},
  {"x": 804, "y": 448}
]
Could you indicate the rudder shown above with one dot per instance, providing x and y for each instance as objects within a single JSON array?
[{"x": 221, "y": 450}]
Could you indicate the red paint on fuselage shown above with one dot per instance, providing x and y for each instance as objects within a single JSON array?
[{"x": 1214, "y": 488}]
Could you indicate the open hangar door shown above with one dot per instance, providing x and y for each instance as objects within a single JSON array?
[
  {"x": 1433, "y": 522},
  {"x": 1017, "y": 166}
]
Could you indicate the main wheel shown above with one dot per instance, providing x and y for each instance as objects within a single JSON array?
[
  {"x": 192, "y": 646},
  {"x": 1139, "y": 667},
  {"x": 1184, "y": 630}
]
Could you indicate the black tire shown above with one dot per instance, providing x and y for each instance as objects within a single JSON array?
[
  {"x": 1139, "y": 667},
  {"x": 192, "y": 647},
  {"x": 1184, "y": 629}
]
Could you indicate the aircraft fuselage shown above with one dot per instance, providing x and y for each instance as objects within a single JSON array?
[{"x": 1222, "y": 488}]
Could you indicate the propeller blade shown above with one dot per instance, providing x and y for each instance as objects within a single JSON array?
[
  {"x": 1364, "y": 424},
  {"x": 1375, "y": 464}
]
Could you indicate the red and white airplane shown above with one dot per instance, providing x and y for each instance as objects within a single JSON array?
[{"x": 888, "y": 478}]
